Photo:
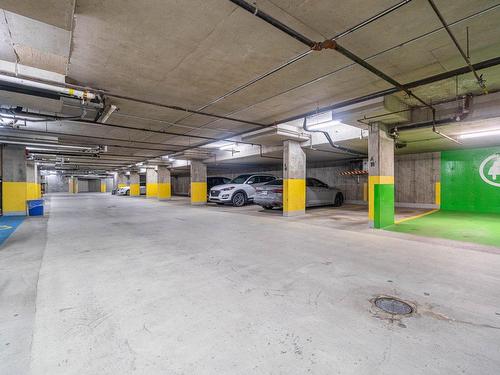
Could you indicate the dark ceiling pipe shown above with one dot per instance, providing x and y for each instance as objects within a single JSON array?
[
  {"x": 480, "y": 80},
  {"x": 301, "y": 56},
  {"x": 61, "y": 134},
  {"x": 38, "y": 92},
  {"x": 379, "y": 94},
  {"x": 91, "y": 122},
  {"x": 328, "y": 44},
  {"x": 273, "y": 21}
]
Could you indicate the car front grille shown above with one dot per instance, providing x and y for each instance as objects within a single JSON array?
[{"x": 214, "y": 193}]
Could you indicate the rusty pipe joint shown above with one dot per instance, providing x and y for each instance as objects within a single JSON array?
[{"x": 326, "y": 44}]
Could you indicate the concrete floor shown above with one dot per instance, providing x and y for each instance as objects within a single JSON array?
[{"x": 120, "y": 285}]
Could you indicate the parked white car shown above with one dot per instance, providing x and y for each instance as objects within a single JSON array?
[
  {"x": 126, "y": 190},
  {"x": 240, "y": 190}
]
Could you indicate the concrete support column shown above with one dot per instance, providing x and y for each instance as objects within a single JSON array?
[
  {"x": 151, "y": 183},
  {"x": 198, "y": 183},
  {"x": 14, "y": 185},
  {"x": 135, "y": 189},
  {"x": 31, "y": 185},
  {"x": 122, "y": 179},
  {"x": 294, "y": 179},
  {"x": 381, "y": 177},
  {"x": 164, "y": 187},
  {"x": 73, "y": 184}
]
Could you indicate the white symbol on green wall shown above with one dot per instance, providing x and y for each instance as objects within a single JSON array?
[{"x": 489, "y": 170}]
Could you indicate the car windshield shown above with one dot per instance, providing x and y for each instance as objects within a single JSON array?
[
  {"x": 240, "y": 179},
  {"x": 275, "y": 182}
]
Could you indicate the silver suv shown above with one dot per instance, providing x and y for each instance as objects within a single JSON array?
[{"x": 240, "y": 190}]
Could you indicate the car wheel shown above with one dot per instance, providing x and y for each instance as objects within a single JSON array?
[
  {"x": 127, "y": 193},
  {"x": 339, "y": 199},
  {"x": 239, "y": 199},
  {"x": 268, "y": 207}
]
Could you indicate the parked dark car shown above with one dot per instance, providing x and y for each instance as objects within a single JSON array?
[{"x": 214, "y": 181}]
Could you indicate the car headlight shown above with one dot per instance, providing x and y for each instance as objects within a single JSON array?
[{"x": 228, "y": 188}]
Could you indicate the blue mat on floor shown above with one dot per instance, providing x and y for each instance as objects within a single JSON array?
[{"x": 8, "y": 224}]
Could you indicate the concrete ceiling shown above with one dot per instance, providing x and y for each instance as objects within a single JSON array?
[{"x": 188, "y": 53}]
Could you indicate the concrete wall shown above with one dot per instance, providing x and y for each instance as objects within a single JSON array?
[
  {"x": 83, "y": 186},
  {"x": 415, "y": 178},
  {"x": 56, "y": 183}
]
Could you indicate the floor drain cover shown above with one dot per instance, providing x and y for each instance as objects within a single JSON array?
[{"x": 393, "y": 306}]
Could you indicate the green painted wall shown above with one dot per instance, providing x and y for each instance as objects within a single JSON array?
[{"x": 469, "y": 181}]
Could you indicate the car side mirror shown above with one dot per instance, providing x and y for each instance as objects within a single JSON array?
[{"x": 250, "y": 182}]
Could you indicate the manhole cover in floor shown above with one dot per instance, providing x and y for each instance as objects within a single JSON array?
[{"x": 393, "y": 306}]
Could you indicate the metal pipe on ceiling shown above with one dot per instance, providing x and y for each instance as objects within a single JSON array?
[
  {"x": 59, "y": 134},
  {"x": 327, "y": 44},
  {"x": 480, "y": 80},
  {"x": 80, "y": 94},
  {"x": 91, "y": 122},
  {"x": 301, "y": 56},
  {"x": 361, "y": 99},
  {"x": 13, "y": 86},
  {"x": 394, "y": 47}
]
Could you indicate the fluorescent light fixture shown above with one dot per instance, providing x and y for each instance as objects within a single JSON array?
[
  {"x": 228, "y": 147},
  {"x": 139, "y": 164},
  {"x": 322, "y": 125},
  {"x": 487, "y": 133}
]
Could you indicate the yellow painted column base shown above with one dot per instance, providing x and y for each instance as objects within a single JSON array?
[
  {"x": 14, "y": 195},
  {"x": 294, "y": 197},
  {"x": 103, "y": 187},
  {"x": 164, "y": 191},
  {"x": 151, "y": 190},
  {"x": 135, "y": 190},
  {"x": 198, "y": 193}
]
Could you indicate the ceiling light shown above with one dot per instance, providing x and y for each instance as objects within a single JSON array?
[{"x": 487, "y": 133}]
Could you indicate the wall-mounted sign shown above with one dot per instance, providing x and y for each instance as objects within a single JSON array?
[{"x": 489, "y": 170}]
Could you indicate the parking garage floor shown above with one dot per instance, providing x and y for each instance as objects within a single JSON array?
[{"x": 120, "y": 285}]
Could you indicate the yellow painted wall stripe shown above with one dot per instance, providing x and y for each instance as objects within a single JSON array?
[
  {"x": 32, "y": 190},
  {"x": 437, "y": 191},
  {"x": 372, "y": 181},
  {"x": 135, "y": 190},
  {"x": 294, "y": 194},
  {"x": 365, "y": 192},
  {"x": 198, "y": 192},
  {"x": 164, "y": 190},
  {"x": 14, "y": 197},
  {"x": 121, "y": 185}
]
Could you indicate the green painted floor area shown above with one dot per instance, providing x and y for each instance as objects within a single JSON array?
[{"x": 460, "y": 226}]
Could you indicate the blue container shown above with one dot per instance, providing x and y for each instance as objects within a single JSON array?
[{"x": 35, "y": 207}]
